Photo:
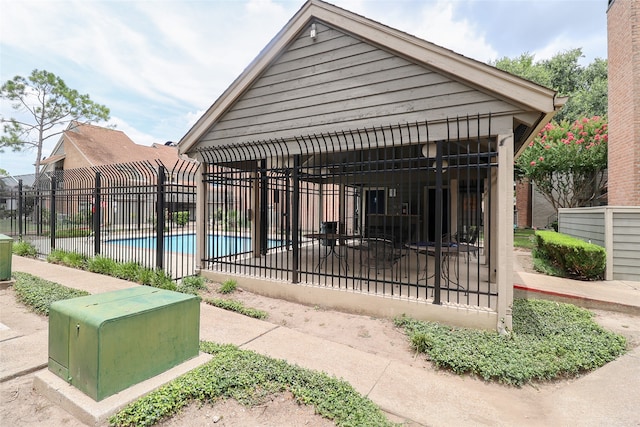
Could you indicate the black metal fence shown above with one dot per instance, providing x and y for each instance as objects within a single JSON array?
[
  {"x": 139, "y": 212},
  {"x": 377, "y": 210}
]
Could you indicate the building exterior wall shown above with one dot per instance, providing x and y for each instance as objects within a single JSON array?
[
  {"x": 623, "y": 28},
  {"x": 340, "y": 82},
  {"x": 616, "y": 228},
  {"x": 523, "y": 203}
]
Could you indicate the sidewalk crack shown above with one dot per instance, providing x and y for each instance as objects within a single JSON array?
[{"x": 259, "y": 336}]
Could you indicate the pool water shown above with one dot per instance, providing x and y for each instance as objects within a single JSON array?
[{"x": 218, "y": 244}]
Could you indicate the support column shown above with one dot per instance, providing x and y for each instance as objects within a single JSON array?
[
  {"x": 504, "y": 230},
  {"x": 201, "y": 216}
]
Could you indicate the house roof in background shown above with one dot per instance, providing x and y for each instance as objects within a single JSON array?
[{"x": 103, "y": 146}]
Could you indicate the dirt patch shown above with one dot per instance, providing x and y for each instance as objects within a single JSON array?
[{"x": 280, "y": 410}]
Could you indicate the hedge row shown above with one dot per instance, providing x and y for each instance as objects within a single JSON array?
[{"x": 579, "y": 259}]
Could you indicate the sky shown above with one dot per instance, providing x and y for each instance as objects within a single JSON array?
[{"x": 159, "y": 64}]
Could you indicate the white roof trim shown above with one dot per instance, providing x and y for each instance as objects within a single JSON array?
[{"x": 478, "y": 74}]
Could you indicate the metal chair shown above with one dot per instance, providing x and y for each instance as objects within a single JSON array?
[{"x": 379, "y": 254}]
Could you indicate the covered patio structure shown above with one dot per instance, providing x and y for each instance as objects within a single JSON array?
[{"x": 367, "y": 170}]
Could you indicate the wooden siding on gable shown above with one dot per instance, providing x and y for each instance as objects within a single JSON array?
[{"x": 339, "y": 82}]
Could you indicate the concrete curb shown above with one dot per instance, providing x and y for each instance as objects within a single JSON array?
[
  {"x": 524, "y": 291},
  {"x": 95, "y": 413}
]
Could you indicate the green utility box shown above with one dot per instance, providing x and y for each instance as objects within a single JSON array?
[
  {"x": 102, "y": 344},
  {"x": 6, "y": 244}
]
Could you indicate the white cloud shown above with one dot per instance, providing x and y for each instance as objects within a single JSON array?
[{"x": 461, "y": 36}]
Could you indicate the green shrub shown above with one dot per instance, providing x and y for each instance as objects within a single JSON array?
[
  {"x": 26, "y": 249},
  {"x": 102, "y": 265},
  {"x": 228, "y": 286},
  {"x": 39, "y": 294},
  {"x": 238, "y": 307},
  {"x": 251, "y": 378},
  {"x": 162, "y": 280},
  {"x": 181, "y": 218},
  {"x": 191, "y": 285},
  {"x": 579, "y": 259},
  {"x": 145, "y": 276},
  {"x": 69, "y": 259},
  {"x": 549, "y": 340},
  {"x": 127, "y": 271}
]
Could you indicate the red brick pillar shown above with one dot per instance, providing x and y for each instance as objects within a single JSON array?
[{"x": 623, "y": 30}]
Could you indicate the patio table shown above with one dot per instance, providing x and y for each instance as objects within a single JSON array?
[
  {"x": 447, "y": 250},
  {"x": 331, "y": 242}
]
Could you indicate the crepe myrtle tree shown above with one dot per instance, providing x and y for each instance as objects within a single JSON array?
[
  {"x": 567, "y": 162},
  {"x": 44, "y": 105}
]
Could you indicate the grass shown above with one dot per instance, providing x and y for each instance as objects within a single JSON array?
[
  {"x": 228, "y": 286},
  {"x": 549, "y": 340},
  {"x": 192, "y": 285},
  {"x": 250, "y": 378},
  {"x": 38, "y": 294},
  {"x": 524, "y": 238},
  {"x": 238, "y": 307},
  {"x": 25, "y": 249}
]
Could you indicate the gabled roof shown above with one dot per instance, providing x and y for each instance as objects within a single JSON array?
[
  {"x": 103, "y": 146},
  {"x": 445, "y": 61}
]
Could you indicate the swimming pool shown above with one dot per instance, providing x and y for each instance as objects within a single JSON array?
[{"x": 218, "y": 244}]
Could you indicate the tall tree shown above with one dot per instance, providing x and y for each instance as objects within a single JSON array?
[
  {"x": 586, "y": 87},
  {"x": 47, "y": 105}
]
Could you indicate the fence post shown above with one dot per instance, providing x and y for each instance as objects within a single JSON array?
[
  {"x": 438, "y": 224},
  {"x": 160, "y": 219},
  {"x": 20, "y": 202},
  {"x": 97, "y": 213},
  {"x": 52, "y": 212},
  {"x": 295, "y": 220},
  {"x": 264, "y": 192}
]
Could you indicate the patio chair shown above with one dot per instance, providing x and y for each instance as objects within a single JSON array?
[{"x": 379, "y": 254}]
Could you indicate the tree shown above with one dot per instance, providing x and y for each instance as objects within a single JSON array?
[
  {"x": 48, "y": 105},
  {"x": 566, "y": 161},
  {"x": 586, "y": 87}
]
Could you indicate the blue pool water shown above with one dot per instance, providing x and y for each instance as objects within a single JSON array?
[{"x": 218, "y": 244}]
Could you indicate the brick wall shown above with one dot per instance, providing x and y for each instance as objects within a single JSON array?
[
  {"x": 623, "y": 29},
  {"x": 523, "y": 203}
]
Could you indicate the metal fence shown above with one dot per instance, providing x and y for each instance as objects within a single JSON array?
[
  {"x": 139, "y": 212},
  {"x": 376, "y": 211}
]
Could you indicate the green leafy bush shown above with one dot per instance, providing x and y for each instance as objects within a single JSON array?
[
  {"x": 228, "y": 286},
  {"x": 579, "y": 259},
  {"x": 251, "y": 378},
  {"x": 128, "y": 271},
  {"x": 69, "y": 259},
  {"x": 181, "y": 218},
  {"x": 162, "y": 280},
  {"x": 26, "y": 249},
  {"x": 39, "y": 294},
  {"x": 102, "y": 265},
  {"x": 191, "y": 285},
  {"x": 238, "y": 307},
  {"x": 549, "y": 340}
]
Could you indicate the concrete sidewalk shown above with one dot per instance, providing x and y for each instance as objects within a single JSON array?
[{"x": 424, "y": 397}]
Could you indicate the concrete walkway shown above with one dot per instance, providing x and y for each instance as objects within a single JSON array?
[{"x": 608, "y": 396}]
